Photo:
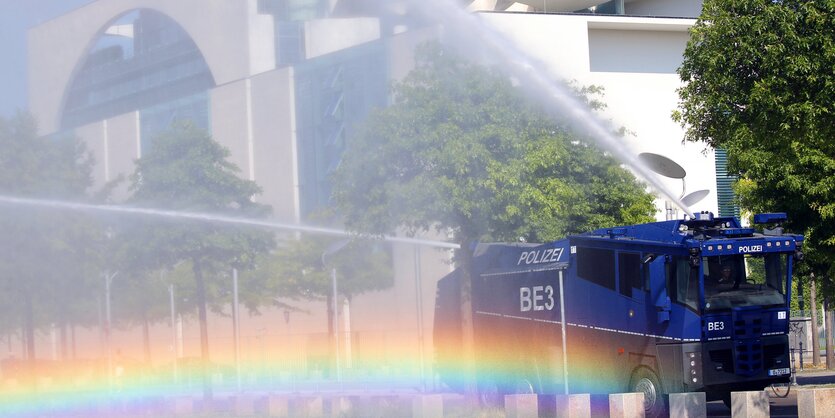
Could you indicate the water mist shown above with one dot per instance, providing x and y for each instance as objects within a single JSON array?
[{"x": 470, "y": 34}]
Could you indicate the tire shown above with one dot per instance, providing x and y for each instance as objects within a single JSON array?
[{"x": 645, "y": 381}]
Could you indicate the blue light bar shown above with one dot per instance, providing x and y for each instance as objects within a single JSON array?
[
  {"x": 617, "y": 232},
  {"x": 770, "y": 218},
  {"x": 729, "y": 232}
]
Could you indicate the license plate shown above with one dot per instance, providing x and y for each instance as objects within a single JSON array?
[{"x": 779, "y": 372}]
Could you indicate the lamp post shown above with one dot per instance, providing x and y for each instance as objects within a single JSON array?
[
  {"x": 332, "y": 249},
  {"x": 288, "y": 347},
  {"x": 108, "y": 280},
  {"x": 236, "y": 321},
  {"x": 173, "y": 329},
  {"x": 419, "y": 303},
  {"x": 336, "y": 325}
]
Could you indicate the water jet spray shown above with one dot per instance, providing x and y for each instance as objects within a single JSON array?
[
  {"x": 475, "y": 36},
  {"x": 207, "y": 217}
]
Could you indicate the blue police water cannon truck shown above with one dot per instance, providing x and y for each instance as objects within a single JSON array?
[{"x": 698, "y": 304}]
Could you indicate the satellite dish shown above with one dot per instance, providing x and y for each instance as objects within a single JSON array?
[
  {"x": 662, "y": 165},
  {"x": 695, "y": 197}
]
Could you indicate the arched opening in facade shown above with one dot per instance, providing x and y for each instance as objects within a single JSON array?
[{"x": 142, "y": 61}]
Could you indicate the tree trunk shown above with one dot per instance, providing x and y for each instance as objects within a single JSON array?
[
  {"x": 816, "y": 347},
  {"x": 29, "y": 336},
  {"x": 331, "y": 341},
  {"x": 72, "y": 338},
  {"x": 465, "y": 258},
  {"x": 29, "y": 327},
  {"x": 204, "y": 330},
  {"x": 146, "y": 338},
  {"x": 64, "y": 348},
  {"x": 345, "y": 311},
  {"x": 798, "y": 294}
]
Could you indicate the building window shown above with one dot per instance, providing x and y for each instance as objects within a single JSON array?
[
  {"x": 289, "y": 42},
  {"x": 334, "y": 93},
  {"x": 613, "y": 7},
  {"x": 294, "y": 10},
  {"x": 724, "y": 185},
  {"x": 142, "y": 59}
]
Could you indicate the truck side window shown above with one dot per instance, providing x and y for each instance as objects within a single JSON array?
[
  {"x": 597, "y": 266},
  {"x": 775, "y": 272},
  {"x": 629, "y": 273},
  {"x": 683, "y": 283}
]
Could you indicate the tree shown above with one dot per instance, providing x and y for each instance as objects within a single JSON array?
[
  {"x": 758, "y": 83},
  {"x": 461, "y": 150},
  {"x": 44, "y": 268},
  {"x": 141, "y": 298},
  {"x": 304, "y": 267},
  {"x": 301, "y": 269},
  {"x": 186, "y": 170}
]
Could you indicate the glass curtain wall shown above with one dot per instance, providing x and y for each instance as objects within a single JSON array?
[
  {"x": 142, "y": 61},
  {"x": 334, "y": 93}
]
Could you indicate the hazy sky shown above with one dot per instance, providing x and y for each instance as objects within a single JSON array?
[{"x": 16, "y": 16}]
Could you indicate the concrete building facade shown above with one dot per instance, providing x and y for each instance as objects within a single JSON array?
[{"x": 269, "y": 80}]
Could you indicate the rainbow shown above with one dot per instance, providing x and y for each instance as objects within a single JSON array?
[{"x": 79, "y": 393}]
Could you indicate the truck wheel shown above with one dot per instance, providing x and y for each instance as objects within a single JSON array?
[{"x": 645, "y": 381}]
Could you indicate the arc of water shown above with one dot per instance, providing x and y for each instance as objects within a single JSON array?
[
  {"x": 461, "y": 27},
  {"x": 47, "y": 203}
]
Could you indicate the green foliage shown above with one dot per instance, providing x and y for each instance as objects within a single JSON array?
[
  {"x": 806, "y": 294},
  {"x": 462, "y": 150},
  {"x": 759, "y": 83},
  {"x": 137, "y": 297},
  {"x": 186, "y": 170},
  {"x": 48, "y": 271},
  {"x": 295, "y": 271}
]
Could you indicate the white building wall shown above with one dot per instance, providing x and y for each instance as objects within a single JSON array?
[
  {"x": 261, "y": 39},
  {"x": 114, "y": 145},
  {"x": 229, "y": 107},
  {"x": 122, "y": 150},
  {"x": 634, "y": 60},
  {"x": 221, "y": 30},
  {"x": 324, "y": 36},
  {"x": 93, "y": 136},
  {"x": 252, "y": 114},
  {"x": 274, "y": 135},
  {"x": 401, "y": 50}
]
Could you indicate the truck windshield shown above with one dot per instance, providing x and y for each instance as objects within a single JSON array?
[{"x": 744, "y": 280}]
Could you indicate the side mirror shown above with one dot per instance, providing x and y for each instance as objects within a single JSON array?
[{"x": 798, "y": 255}]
